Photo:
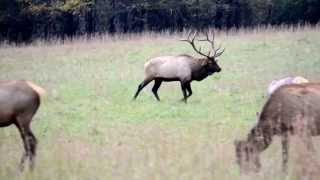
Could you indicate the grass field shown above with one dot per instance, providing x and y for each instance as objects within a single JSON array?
[{"x": 88, "y": 127}]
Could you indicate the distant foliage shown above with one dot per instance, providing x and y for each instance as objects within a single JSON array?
[{"x": 24, "y": 20}]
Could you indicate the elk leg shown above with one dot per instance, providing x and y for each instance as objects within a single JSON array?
[
  {"x": 285, "y": 151},
  {"x": 141, "y": 86},
  {"x": 32, "y": 141},
  {"x": 184, "y": 91},
  {"x": 157, "y": 84},
  {"x": 188, "y": 86},
  {"x": 25, "y": 144}
]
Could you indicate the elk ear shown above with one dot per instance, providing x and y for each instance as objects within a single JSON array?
[{"x": 204, "y": 62}]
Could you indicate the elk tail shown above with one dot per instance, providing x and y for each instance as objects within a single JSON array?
[
  {"x": 299, "y": 80},
  {"x": 41, "y": 91}
]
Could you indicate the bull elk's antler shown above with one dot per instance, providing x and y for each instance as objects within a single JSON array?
[
  {"x": 216, "y": 52},
  {"x": 191, "y": 42}
]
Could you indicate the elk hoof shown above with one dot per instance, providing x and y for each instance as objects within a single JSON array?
[{"x": 183, "y": 100}]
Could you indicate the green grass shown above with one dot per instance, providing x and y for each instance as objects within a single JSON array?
[{"x": 89, "y": 128}]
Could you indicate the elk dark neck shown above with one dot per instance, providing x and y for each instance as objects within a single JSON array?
[
  {"x": 260, "y": 137},
  {"x": 199, "y": 74}
]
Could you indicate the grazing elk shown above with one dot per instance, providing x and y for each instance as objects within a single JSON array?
[
  {"x": 291, "y": 110},
  {"x": 183, "y": 68},
  {"x": 19, "y": 101}
]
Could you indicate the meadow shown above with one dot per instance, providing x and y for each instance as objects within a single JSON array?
[{"x": 89, "y": 128}]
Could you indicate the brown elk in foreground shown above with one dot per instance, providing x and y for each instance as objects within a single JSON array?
[
  {"x": 19, "y": 101},
  {"x": 291, "y": 110},
  {"x": 183, "y": 68}
]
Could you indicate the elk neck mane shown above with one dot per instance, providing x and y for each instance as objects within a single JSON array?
[{"x": 259, "y": 137}]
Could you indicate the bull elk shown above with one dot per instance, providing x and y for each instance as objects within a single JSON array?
[
  {"x": 291, "y": 110},
  {"x": 19, "y": 101},
  {"x": 183, "y": 68}
]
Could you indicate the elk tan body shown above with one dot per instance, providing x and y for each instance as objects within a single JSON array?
[
  {"x": 291, "y": 109},
  {"x": 19, "y": 101},
  {"x": 183, "y": 68}
]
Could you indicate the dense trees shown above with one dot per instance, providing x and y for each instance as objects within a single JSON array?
[{"x": 23, "y": 20}]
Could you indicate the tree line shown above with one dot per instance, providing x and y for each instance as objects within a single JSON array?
[{"x": 25, "y": 20}]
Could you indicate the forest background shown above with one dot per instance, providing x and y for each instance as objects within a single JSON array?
[{"x": 26, "y": 20}]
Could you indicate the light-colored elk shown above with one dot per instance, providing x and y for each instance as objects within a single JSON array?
[
  {"x": 291, "y": 110},
  {"x": 19, "y": 101},
  {"x": 183, "y": 68}
]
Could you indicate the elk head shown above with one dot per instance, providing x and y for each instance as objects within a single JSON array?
[
  {"x": 247, "y": 156},
  {"x": 210, "y": 61}
]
